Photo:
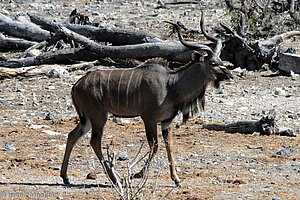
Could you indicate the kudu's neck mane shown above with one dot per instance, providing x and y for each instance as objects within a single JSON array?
[
  {"x": 159, "y": 61},
  {"x": 188, "y": 85}
]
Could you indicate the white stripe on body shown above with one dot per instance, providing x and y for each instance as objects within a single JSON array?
[
  {"x": 139, "y": 81},
  {"x": 127, "y": 90},
  {"x": 120, "y": 80},
  {"x": 108, "y": 89}
]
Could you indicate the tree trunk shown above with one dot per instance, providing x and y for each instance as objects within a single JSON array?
[
  {"x": 22, "y": 29},
  {"x": 114, "y": 35}
]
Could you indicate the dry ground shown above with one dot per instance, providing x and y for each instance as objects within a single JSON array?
[{"x": 212, "y": 165}]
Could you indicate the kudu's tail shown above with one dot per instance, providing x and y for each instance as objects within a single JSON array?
[{"x": 81, "y": 115}]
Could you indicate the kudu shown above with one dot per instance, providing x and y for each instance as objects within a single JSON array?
[{"x": 150, "y": 90}]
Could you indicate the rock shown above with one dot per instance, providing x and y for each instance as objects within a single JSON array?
[
  {"x": 9, "y": 147},
  {"x": 116, "y": 120},
  {"x": 121, "y": 121},
  {"x": 56, "y": 168},
  {"x": 92, "y": 176},
  {"x": 49, "y": 132},
  {"x": 219, "y": 91},
  {"x": 122, "y": 156},
  {"x": 13, "y": 165},
  {"x": 38, "y": 126},
  {"x": 49, "y": 116},
  {"x": 57, "y": 73},
  {"x": 286, "y": 151},
  {"x": 4, "y": 102},
  {"x": 279, "y": 91},
  {"x": 35, "y": 104},
  {"x": 293, "y": 164},
  {"x": 294, "y": 116},
  {"x": 255, "y": 147},
  {"x": 178, "y": 169},
  {"x": 294, "y": 75},
  {"x": 276, "y": 198}
]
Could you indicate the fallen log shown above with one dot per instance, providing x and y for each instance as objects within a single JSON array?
[
  {"x": 168, "y": 50},
  {"x": 264, "y": 126},
  {"x": 64, "y": 56},
  {"x": 164, "y": 4},
  {"x": 22, "y": 29},
  {"x": 114, "y": 35},
  {"x": 8, "y": 44},
  {"x": 42, "y": 70},
  {"x": 289, "y": 62}
]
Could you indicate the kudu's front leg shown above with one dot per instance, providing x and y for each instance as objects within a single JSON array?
[
  {"x": 168, "y": 138},
  {"x": 96, "y": 140},
  {"x": 151, "y": 133}
]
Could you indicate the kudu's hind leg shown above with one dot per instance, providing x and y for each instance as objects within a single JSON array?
[
  {"x": 74, "y": 135},
  {"x": 168, "y": 138},
  {"x": 151, "y": 133}
]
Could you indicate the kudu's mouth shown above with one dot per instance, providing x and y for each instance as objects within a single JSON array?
[{"x": 221, "y": 73}]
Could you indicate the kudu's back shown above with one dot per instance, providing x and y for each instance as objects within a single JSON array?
[{"x": 122, "y": 92}]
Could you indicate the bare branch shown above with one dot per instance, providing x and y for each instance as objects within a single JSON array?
[
  {"x": 7, "y": 44},
  {"x": 168, "y": 193},
  {"x": 135, "y": 159},
  {"x": 156, "y": 183},
  {"x": 229, "y": 30}
]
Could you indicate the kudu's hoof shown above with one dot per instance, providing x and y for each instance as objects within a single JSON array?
[
  {"x": 66, "y": 180},
  {"x": 178, "y": 184}
]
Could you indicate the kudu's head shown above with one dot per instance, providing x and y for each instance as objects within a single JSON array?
[{"x": 211, "y": 60}]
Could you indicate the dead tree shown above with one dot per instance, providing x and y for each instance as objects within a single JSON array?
[
  {"x": 251, "y": 55},
  {"x": 264, "y": 126},
  {"x": 237, "y": 48}
]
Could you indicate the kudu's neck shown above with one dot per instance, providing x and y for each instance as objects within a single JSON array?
[{"x": 190, "y": 81}]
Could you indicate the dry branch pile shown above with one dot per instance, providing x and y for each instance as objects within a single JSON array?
[{"x": 76, "y": 40}]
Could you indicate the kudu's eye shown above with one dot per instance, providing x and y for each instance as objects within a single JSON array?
[{"x": 212, "y": 63}]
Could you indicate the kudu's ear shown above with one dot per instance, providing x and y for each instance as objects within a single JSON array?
[{"x": 197, "y": 56}]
